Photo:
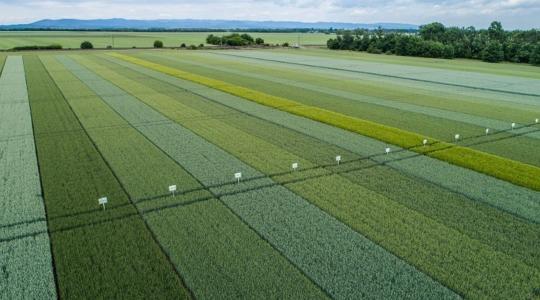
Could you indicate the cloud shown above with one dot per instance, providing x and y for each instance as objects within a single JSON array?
[{"x": 479, "y": 13}]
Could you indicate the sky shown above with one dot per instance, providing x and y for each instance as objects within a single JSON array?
[{"x": 514, "y": 14}]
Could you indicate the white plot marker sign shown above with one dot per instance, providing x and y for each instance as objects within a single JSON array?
[
  {"x": 513, "y": 125},
  {"x": 536, "y": 120},
  {"x": 102, "y": 201},
  {"x": 487, "y": 131},
  {"x": 387, "y": 150},
  {"x": 294, "y": 166},
  {"x": 238, "y": 176},
  {"x": 338, "y": 159},
  {"x": 424, "y": 142},
  {"x": 456, "y": 137},
  {"x": 172, "y": 189}
]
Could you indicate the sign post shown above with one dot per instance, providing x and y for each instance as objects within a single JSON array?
[
  {"x": 172, "y": 189},
  {"x": 513, "y": 126},
  {"x": 294, "y": 166},
  {"x": 102, "y": 201},
  {"x": 456, "y": 137},
  {"x": 487, "y": 131},
  {"x": 338, "y": 159},
  {"x": 387, "y": 150},
  {"x": 536, "y": 120},
  {"x": 424, "y": 142},
  {"x": 238, "y": 176}
]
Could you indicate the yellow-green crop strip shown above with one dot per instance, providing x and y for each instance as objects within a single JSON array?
[{"x": 505, "y": 169}]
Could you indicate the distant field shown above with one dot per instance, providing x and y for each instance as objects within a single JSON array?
[
  {"x": 393, "y": 218},
  {"x": 71, "y": 39},
  {"x": 469, "y": 65}
]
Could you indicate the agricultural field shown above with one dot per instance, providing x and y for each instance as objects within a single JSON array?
[
  {"x": 353, "y": 182},
  {"x": 102, "y": 39}
]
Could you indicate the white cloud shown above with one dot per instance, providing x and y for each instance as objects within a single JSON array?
[{"x": 512, "y": 13}]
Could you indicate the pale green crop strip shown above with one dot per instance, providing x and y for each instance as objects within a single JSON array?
[
  {"x": 483, "y": 82},
  {"x": 511, "y": 171},
  {"x": 26, "y": 269},
  {"x": 298, "y": 247},
  {"x": 477, "y": 96},
  {"x": 476, "y": 66},
  {"x": 501, "y": 194},
  {"x": 26, "y": 265}
]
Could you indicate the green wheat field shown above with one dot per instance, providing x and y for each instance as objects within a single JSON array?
[{"x": 416, "y": 178}]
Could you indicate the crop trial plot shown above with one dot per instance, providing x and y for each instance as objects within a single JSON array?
[{"x": 260, "y": 174}]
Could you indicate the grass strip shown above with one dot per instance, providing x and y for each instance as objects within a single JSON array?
[
  {"x": 100, "y": 261},
  {"x": 505, "y": 169}
]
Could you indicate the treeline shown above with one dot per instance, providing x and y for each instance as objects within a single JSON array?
[
  {"x": 435, "y": 40},
  {"x": 234, "y": 39},
  {"x": 36, "y": 47}
]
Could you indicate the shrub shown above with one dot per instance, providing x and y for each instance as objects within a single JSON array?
[
  {"x": 285, "y": 44},
  {"x": 86, "y": 45},
  {"x": 183, "y": 45},
  {"x": 158, "y": 44},
  {"x": 259, "y": 41},
  {"x": 34, "y": 47}
]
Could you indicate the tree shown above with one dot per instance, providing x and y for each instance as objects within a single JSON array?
[
  {"x": 348, "y": 40},
  {"x": 86, "y": 45},
  {"x": 158, "y": 44},
  {"x": 247, "y": 38},
  {"x": 496, "y": 32},
  {"x": 434, "y": 40},
  {"x": 259, "y": 41},
  {"x": 535, "y": 55},
  {"x": 448, "y": 52},
  {"x": 432, "y": 32},
  {"x": 183, "y": 45},
  {"x": 213, "y": 40},
  {"x": 493, "y": 52},
  {"x": 332, "y": 44}
]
